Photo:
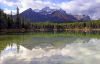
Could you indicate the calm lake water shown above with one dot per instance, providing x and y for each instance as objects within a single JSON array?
[{"x": 50, "y": 48}]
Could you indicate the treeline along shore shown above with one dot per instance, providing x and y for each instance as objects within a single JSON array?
[{"x": 9, "y": 23}]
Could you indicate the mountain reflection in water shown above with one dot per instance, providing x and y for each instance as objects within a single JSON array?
[{"x": 87, "y": 52}]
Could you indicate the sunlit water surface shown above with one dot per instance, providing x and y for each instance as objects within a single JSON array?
[{"x": 69, "y": 51}]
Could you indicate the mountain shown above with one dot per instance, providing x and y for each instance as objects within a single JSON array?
[
  {"x": 49, "y": 15},
  {"x": 47, "y": 10},
  {"x": 33, "y": 16},
  {"x": 82, "y": 17},
  {"x": 62, "y": 14}
]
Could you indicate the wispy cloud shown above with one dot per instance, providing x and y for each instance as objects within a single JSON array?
[
  {"x": 87, "y": 7},
  {"x": 35, "y": 4},
  {"x": 8, "y": 3}
]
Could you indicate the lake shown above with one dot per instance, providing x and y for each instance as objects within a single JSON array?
[{"x": 50, "y": 48}]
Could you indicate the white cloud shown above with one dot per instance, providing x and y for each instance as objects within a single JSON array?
[
  {"x": 8, "y": 3},
  {"x": 35, "y": 4},
  {"x": 87, "y": 7},
  {"x": 25, "y": 4},
  {"x": 9, "y": 11}
]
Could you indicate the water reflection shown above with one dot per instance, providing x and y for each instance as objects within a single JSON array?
[{"x": 77, "y": 51}]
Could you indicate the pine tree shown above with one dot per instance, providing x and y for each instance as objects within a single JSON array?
[{"x": 18, "y": 22}]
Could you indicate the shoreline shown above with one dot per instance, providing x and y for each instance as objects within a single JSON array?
[{"x": 46, "y": 30}]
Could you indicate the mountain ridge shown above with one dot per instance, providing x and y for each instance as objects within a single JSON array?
[{"x": 52, "y": 15}]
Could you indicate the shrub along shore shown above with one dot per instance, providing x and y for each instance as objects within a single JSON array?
[{"x": 8, "y": 23}]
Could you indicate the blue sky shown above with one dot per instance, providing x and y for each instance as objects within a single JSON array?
[
  {"x": 76, "y": 7},
  {"x": 3, "y": 5},
  {"x": 10, "y": 5}
]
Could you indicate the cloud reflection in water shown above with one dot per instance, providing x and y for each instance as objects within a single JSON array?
[{"x": 74, "y": 53}]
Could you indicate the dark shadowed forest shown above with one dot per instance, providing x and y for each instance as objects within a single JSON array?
[{"x": 15, "y": 23}]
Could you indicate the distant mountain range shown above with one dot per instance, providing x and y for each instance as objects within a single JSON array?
[{"x": 51, "y": 15}]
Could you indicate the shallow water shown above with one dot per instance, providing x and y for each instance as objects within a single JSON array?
[{"x": 52, "y": 50}]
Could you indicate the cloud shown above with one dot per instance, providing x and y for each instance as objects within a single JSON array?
[
  {"x": 78, "y": 52},
  {"x": 8, "y": 3},
  {"x": 35, "y": 4},
  {"x": 8, "y": 11},
  {"x": 25, "y": 4},
  {"x": 8, "y": 6},
  {"x": 87, "y": 7}
]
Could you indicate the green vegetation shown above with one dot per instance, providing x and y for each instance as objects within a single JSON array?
[
  {"x": 77, "y": 26},
  {"x": 6, "y": 40},
  {"x": 10, "y": 23}
]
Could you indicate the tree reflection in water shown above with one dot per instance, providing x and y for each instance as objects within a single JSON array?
[{"x": 80, "y": 51}]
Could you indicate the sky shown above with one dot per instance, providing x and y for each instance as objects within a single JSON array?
[{"x": 76, "y": 7}]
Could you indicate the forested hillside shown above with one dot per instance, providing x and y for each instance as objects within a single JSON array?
[{"x": 8, "y": 23}]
